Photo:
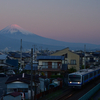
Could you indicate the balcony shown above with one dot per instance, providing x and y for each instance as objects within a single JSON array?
[{"x": 52, "y": 68}]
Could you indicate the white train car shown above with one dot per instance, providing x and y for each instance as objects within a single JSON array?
[{"x": 79, "y": 78}]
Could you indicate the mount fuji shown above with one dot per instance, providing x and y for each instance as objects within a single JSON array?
[{"x": 11, "y": 35}]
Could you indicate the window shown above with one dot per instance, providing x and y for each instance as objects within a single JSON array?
[
  {"x": 94, "y": 73},
  {"x": 66, "y": 62},
  {"x": 45, "y": 64},
  {"x": 10, "y": 90},
  {"x": 85, "y": 77},
  {"x": 74, "y": 78},
  {"x": 99, "y": 71},
  {"x": 73, "y": 62},
  {"x": 54, "y": 64},
  {"x": 63, "y": 62},
  {"x": 91, "y": 75}
]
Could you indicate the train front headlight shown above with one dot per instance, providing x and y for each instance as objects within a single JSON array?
[
  {"x": 70, "y": 82},
  {"x": 78, "y": 82}
]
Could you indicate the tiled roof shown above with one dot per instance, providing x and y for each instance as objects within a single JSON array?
[
  {"x": 12, "y": 62},
  {"x": 3, "y": 57},
  {"x": 28, "y": 67},
  {"x": 50, "y": 57},
  {"x": 17, "y": 55},
  {"x": 22, "y": 78},
  {"x": 15, "y": 94}
]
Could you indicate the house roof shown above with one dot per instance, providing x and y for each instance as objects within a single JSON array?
[
  {"x": 2, "y": 57},
  {"x": 28, "y": 67},
  {"x": 26, "y": 55},
  {"x": 25, "y": 78},
  {"x": 14, "y": 94},
  {"x": 12, "y": 62},
  {"x": 17, "y": 55},
  {"x": 50, "y": 57}
]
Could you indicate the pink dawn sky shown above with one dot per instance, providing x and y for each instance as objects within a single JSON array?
[{"x": 75, "y": 21}]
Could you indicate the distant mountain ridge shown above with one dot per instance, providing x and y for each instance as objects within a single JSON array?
[{"x": 11, "y": 35}]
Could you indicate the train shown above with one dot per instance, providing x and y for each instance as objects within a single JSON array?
[{"x": 83, "y": 76}]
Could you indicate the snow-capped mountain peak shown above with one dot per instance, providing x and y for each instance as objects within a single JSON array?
[
  {"x": 13, "y": 29},
  {"x": 14, "y": 26}
]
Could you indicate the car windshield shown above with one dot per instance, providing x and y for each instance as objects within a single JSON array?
[{"x": 75, "y": 78}]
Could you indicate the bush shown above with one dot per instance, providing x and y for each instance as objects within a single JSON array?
[
  {"x": 56, "y": 76},
  {"x": 71, "y": 70}
]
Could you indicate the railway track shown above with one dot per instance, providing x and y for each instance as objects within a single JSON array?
[
  {"x": 66, "y": 94},
  {"x": 75, "y": 94}
]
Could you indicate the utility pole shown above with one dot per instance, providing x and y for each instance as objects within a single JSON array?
[
  {"x": 84, "y": 56},
  {"x": 31, "y": 73},
  {"x": 34, "y": 74},
  {"x": 21, "y": 55},
  {"x": 34, "y": 52}
]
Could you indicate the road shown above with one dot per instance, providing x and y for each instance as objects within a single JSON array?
[{"x": 3, "y": 87}]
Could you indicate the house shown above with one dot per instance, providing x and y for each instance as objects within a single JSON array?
[
  {"x": 26, "y": 57},
  {"x": 51, "y": 65},
  {"x": 12, "y": 63},
  {"x": 28, "y": 66},
  {"x": 71, "y": 58},
  {"x": 3, "y": 58},
  {"x": 89, "y": 58},
  {"x": 44, "y": 83},
  {"x": 3, "y": 65},
  {"x": 12, "y": 96},
  {"x": 22, "y": 83}
]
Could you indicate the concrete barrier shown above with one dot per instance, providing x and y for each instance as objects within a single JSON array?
[{"x": 90, "y": 93}]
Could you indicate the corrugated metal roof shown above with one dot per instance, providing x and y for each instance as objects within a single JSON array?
[{"x": 50, "y": 57}]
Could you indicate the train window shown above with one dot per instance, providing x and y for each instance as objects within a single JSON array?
[
  {"x": 94, "y": 73},
  {"x": 75, "y": 78},
  {"x": 85, "y": 77},
  {"x": 99, "y": 71},
  {"x": 91, "y": 74}
]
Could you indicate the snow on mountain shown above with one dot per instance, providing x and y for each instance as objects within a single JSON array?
[
  {"x": 16, "y": 32},
  {"x": 13, "y": 29},
  {"x": 12, "y": 34}
]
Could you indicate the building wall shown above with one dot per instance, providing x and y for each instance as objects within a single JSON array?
[
  {"x": 70, "y": 56},
  {"x": 48, "y": 72},
  {"x": 16, "y": 85},
  {"x": 49, "y": 62},
  {"x": 73, "y": 56}
]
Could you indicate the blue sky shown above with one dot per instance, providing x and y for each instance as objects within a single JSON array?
[{"x": 65, "y": 20}]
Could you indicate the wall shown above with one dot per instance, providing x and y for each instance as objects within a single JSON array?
[
  {"x": 9, "y": 97},
  {"x": 70, "y": 56}
]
